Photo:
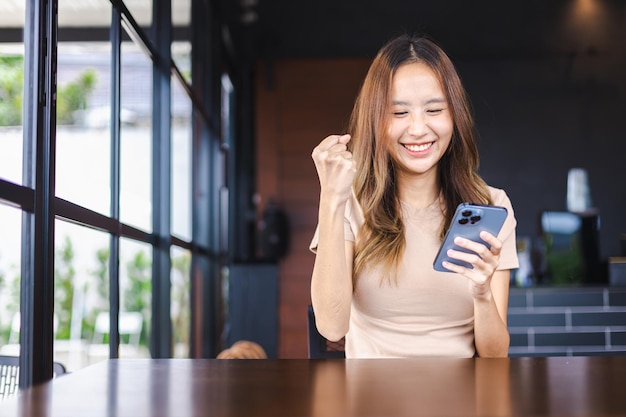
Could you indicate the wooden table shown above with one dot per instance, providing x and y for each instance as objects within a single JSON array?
[{"x": 557, "y": 386}]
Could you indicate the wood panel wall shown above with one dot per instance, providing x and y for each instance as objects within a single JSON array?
[{"x": 298, "y": 103}]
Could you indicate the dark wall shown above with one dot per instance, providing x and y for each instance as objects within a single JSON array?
[
  {"x": 549, "y": 94},
  {"x": 538, "y": 117}
]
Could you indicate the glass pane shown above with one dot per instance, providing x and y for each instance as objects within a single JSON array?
[
  {"x": 12, "y": 13},
  {"x": 11, "y": 94},
  {"x": 10, "y": 273},
  {"x": 228, "y": 111},
  {"x": 81, "y": 293},
  {"x": 181, "y": 54},
  {"x": 180, "y": 305},
  {"x": 181, "y": 13},
  {"x": 141, "y": 10},
  {"x": 136, "y": 138},
  {"x": 83, "y": 125},
  {"x": 93, "y": 13},
  {"x": 135, "y": 298},
  {"x": 181, "y": 162}
]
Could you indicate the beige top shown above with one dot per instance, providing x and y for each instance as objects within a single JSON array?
[{"x": 426, "y": 313}]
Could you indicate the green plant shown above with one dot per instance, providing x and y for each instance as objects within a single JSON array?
[
  {"x": 73, "y": 96},
  {"x": 181, "y": 319},
  {"x": 138, "y": 293},
  {"x": 11, "y": 87},
  {"x": 101, "y": 299},
  {"x": 64, "y": 273},
  {"x": 566, "y": 265}
]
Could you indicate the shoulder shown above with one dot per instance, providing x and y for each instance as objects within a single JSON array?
[{"x": 499, "y": 197}]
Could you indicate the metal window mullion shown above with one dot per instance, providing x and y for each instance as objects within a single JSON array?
[
  {"x": 114, "y": 276},
  {"x": 37, "y": 281},
  {"x": 206, "y": 51},
  {"x": 161, "y": 334},
  {"x": 199, "y": 183}
]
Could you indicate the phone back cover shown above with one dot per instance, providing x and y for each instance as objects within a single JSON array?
[{"x": 491, "y": 220}]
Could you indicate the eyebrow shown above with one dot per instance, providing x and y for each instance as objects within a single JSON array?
[{"x": 431, "y": 101}]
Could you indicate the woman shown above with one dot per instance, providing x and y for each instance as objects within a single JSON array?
[{"x": 388, "y": 190}]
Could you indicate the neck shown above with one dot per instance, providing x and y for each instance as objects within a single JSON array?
[{"x": 418, "y": 192}]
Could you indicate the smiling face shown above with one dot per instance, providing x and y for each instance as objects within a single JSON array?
[{"x": 420, "y": 123}]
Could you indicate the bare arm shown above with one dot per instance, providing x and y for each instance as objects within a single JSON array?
[
  {"x": 331, "y": 289},
  {"x": 490, "y": 291},
  {"x": 491, "y": 334},
  {"x": 331, "y": 282}
]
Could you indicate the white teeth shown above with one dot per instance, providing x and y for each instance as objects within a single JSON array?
[{"x": 418, "y": 148}]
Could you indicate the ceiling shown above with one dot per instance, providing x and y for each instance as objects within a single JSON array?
[
  {"x": 92, "y": 13},
  {"x": 272, "y": 29},
  {"x": 465, "y": 28}
]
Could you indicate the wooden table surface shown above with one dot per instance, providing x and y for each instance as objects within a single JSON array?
[{"x": 557, "y": 386}]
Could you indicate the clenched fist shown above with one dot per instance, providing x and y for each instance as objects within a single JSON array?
[{"x": 335, "y": 167}]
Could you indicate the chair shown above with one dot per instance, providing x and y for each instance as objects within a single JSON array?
[
  {"x": 130, "y": 326},
  {"x": 12, "y": 347},
  {"x": 319, "y": 346},
  {"x": 10, "y": 374}
]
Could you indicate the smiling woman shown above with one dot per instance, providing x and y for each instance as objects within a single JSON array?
[
  {"x": 420, "y": 110},
  {"x": 389, "y": 190}
]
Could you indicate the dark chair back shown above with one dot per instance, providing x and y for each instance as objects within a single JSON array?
[
  {"x": 319, "y": 346},
  {"x": 10, "y": 374}
]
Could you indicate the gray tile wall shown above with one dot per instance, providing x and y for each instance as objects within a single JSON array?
[{"x": 567, "y": 321}]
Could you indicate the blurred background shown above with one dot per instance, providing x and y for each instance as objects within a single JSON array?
[{"x": 254, "y": 85}]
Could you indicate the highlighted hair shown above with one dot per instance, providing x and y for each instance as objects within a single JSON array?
[{"x": 381, "y": 240}]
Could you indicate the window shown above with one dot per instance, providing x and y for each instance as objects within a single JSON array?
[
  {"x": 136, "y": 138},
  {"x": 83, "y": 135},
  {"x": 10, "y": 224},
  {"x": 11, "y": 132},
  {"x": 96, "y": 192}
]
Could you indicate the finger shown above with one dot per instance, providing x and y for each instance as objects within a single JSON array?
[
  {"x": 333, "y": 140},
  {"x": 345, "y": 138},
  {"x": 341, "y": 145},
  {"x": 475, "y": 275},
  {"x": 470, "y": 258},
  {"x": 479, "y": 248},
  {"x": 494, "y": 242},
  {"x": 330, "y": 144}
]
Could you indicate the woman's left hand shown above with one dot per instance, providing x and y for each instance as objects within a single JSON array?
[{"x": 484, "y": 262}]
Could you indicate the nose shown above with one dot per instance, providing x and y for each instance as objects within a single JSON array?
[{"x": 417, "y": 125}]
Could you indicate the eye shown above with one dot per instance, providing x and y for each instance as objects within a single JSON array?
[
  {"x": 434, "y": 111},
  {"x": 400, "y": 113}
]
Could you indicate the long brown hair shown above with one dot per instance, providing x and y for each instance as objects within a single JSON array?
[{"x": 381, "y": 239}]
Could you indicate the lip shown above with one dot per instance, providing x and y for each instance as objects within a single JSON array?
[{"x": 418, "y": 149}]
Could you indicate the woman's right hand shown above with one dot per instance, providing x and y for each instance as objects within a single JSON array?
[{"x": 335, "y": 166}]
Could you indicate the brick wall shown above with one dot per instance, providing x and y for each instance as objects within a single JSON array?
[
  {"x": 298, "y": 103},
  {"x": 567, "y": 321}
]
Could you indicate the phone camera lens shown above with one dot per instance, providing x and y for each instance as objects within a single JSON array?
[
  {"x": 466, "y": 213},
  {"x": 463, "y": 221},
  {"x": 475, "y": 219}
]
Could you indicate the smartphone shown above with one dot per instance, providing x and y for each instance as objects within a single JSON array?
[{"x": 468, "y": 221}]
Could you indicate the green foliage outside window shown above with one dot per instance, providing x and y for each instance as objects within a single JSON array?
[
  {"x": 71, "y": 97},
  {"x": 11, "y": 87},
  {"x": 181, "y": 319},
  {"x": 137, "y": 294},
  {"x": 64, "y": 274}
]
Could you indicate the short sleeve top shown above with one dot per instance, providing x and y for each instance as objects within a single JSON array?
[{"x": 424, "y": 312}]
